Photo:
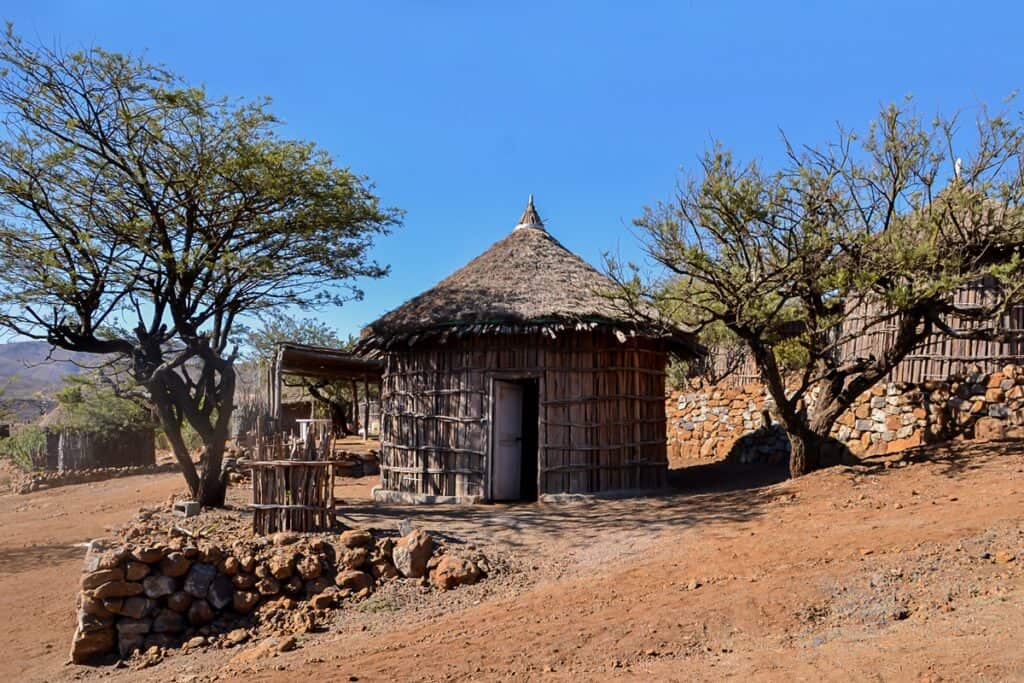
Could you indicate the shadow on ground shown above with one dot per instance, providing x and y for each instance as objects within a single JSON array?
[{"x": 703, "y": 494}]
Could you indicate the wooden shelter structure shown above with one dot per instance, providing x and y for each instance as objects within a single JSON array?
[{"x": 521, "y": 375}]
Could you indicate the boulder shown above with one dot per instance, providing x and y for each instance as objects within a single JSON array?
[
  {"x": 93, "y": 638},
  {"x": 454, "y": 571},
  {"x": 230, "y": 565},
  {"x": 149, "y": 555},
  {"x": 382, "y": 569},
  {"x": 135, "y": 607},
  {"x": 353, "y": 580},
  {"x": 168, "y": 621},
  {"x": 101, "y": 576},
  {"x": 117, "y": 589},
  {"x": 159, "y": 585},
  {"x": 134, "y": 627},
  {"x": 268, "y": 586},
  {"x": 325, "y": 599},
  {"x": 175, "y": 564},
  {"x": 282, "y": 565},
  {"x": 179, "y": 601},
  {"x": 283, "y": 538},
  {"x": 136, "y": 571},
  {"x": 200, "y": 613},
  {"x": 199, "y": 579},
  {"x": 412, "y": 552},
  {"x": 244, "y": 601},
  {"x": 221, "y": 592},
  {"x": 293, "y": 586},
  {"x": 129, "y": 643},
  {"x": 354, "y": 558},
  {"x": 356, "y": 538}
]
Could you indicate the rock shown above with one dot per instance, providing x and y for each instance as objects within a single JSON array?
[
  {"x": 98, "y": 578},
  {"x": 1004, "y": 556},
  {"x": 243, "y": 582},
  {"x": 118, "y": 589},
  {"x": 356, "y": 538},
  {"x": 95, "y": 607},
  {"x": 129, "y": 643},
  {"x": 168, "y": 621},
  {"x": 193, "y": 643},
  {"x": 989, "y": 428},
  {"x": 282, "y": 565},
  {"x": 230, "y": 566},
  {"x": 262, "y": 649},
  {"x": 190, "y": 552},
  {"x": 354, "y": 558},
  {"x": 221, "y": 592},
  {"x": 308, "y": 567},
  {"x": 200, "y": 613},
  {"x": 91, "y": 642},
  {"x": 159, "y": 585},
  {"x": 318, "y": 585},
  {"x": 353, "y": 580},
  {"x": 382, "y": 569},
  {"x": 197, "y": 583},
  {"x": 175, "y": 564},
  {"x": 268, "y": 586},
  {"x": 287, "y": 644},
  {"x": 283, "y": 538},
  {"x": 244, "y": 601},
  {"x": 134, "y": 627},
  {"x": 149, "y": 555},
  {"x": 135, "y": 607},
  {"x": 236, "y": 637},
  {"x": 326, "y": 599},
  {"x": 454, "y": 571},
  {"x": 293, "y": 586},
  {"x": 179, "y": 601},
  {"x": 159, "y": 641},
  {"x": 412, "y": 552},
  {"x": 384, "y": 547},
  {"x": 136, "y": 571}
]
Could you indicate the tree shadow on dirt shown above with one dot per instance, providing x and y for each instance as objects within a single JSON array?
[
  {"x": 27, "y": 558},
  {"x": 954, "y": 457}
]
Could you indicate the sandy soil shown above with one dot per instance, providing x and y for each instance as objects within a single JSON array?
[{"x": 906, "y": 570}]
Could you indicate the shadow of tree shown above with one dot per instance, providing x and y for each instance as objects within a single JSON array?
[
  {"x": 27, "y": 558},
  {"x": 954, "y": 457}
]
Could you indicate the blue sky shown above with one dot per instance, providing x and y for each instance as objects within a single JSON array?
[{"x": 459, "y": 110}]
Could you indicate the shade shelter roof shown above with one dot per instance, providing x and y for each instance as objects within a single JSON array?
[{"x": 319, "y": 361}]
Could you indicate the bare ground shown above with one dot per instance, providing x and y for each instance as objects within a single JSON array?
[{"x": 912, "y": 571}]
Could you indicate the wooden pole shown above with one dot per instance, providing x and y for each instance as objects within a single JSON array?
[{"x": 366, "y": 410}]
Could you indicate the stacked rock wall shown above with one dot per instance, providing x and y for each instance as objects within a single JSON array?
[
  {"x": 714, "y": 421},
  {"x": 140, "y": 597}
]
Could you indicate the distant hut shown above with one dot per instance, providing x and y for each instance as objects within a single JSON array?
[{"x": 519, "y": 376}]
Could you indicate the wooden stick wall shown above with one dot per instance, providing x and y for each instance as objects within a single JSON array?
[{"x": 601, "y": 413}]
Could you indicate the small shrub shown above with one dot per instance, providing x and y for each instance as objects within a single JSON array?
[{"x": 25, "y": 447}]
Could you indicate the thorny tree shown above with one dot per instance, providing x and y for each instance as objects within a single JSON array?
[
  {"x": 867, "y": 233},
  {"x": 142, "y": 219}
]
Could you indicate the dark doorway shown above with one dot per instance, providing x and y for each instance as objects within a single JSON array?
[{"x": 531, "y": 407}]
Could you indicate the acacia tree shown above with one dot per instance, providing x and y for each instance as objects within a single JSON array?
[
  {"x": 144, "y": 220},
  {"x": 864, "y": 234},
  {"x": 333, "y": 394}
]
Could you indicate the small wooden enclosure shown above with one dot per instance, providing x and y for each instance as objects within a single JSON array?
[{"x": 530, "y": 320}]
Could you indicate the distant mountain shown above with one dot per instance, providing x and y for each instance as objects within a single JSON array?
[{"x": 28, "y": 370}]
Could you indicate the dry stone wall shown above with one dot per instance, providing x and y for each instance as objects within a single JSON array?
[
  {"x": 714, "y": 421},
  {"x": 185, "y": 593}
]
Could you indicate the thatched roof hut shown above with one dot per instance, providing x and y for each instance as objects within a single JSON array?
[{"x": 521, "y": 375}]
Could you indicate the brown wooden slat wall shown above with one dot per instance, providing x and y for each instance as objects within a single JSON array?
[{"x": 602, "y": 413}]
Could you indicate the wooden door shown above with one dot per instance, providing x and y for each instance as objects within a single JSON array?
[{"x": 507, "y": 450}]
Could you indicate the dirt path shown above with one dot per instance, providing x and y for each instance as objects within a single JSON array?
[{"x": 41, "y": 555}]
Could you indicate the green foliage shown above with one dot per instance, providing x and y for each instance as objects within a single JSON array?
[
  {"x": 260, "y": 342},
  {"x": 89, "y": 408},
  {"x": 142, "y": 218},
  {"x": 869, "y": 233},
  {"x": 25, "y": 447}
]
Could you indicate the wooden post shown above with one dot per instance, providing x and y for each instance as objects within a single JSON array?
[
  {"x": 355, "y": 406},
  {"x": 366, "y": 410}
]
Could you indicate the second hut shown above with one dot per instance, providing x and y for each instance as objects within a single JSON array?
[{"x": 518, "y": 376}]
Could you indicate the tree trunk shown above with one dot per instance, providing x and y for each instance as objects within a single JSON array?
[{"x": 804, "y": 452}]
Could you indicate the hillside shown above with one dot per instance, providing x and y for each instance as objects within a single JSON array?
[{"x": 30, "y": 375}]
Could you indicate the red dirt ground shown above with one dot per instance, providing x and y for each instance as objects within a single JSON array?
[{"x": 913, "y": 571}]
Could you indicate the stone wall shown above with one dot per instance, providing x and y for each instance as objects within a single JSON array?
[
  {"x": 714, "y": 421},
  {"x": 193, "y": 593}
]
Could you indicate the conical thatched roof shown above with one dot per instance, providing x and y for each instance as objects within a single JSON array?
[{"x": 526, "y": 283}]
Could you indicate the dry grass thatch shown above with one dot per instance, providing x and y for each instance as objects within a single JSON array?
[{"x": 526, "y": 283}]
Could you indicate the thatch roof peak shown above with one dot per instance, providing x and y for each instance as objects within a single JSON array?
[
  {"x": 526, "y": 283},
  {"x": 530, "y": 217}
]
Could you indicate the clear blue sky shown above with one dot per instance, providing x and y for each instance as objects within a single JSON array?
[{"x": 459, "y": 110}]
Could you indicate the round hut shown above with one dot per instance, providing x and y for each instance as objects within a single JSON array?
[{"x": 520, "y": 376}]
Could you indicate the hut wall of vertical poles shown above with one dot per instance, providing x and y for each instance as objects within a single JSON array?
[{"x": 601, "y": 413}]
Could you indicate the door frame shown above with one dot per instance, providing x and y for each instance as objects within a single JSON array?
[{"x": 509, "y": 376}]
